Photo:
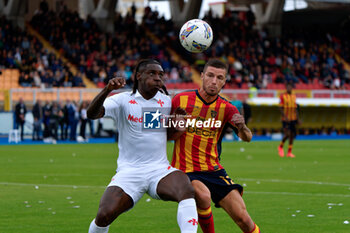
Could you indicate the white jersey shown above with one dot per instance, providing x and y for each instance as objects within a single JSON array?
[{"x": 138, "y": 147}]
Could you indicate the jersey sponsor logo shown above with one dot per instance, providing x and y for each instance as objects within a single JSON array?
[
  {"x": 135, "y": 119},
  {"x": 202, "y": 131},
  {"x": 193, "y": 106},
  {"x": 132, "y": 102},
  {"x": 203, "y": 127}
]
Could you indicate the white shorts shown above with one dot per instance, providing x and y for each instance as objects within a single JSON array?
[{"x": 137, "y": 181}]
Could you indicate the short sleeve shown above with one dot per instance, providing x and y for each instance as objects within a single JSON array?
[
  {"x": 175, "y": 102},
  {"x": 112, "y": 105},
  {"x": 281, "y": 101}
]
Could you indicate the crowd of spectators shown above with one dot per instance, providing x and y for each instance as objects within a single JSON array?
[
  {"x": 53, "y": 121},
  {"x": 100, "y": 55},
  {"x": 38, "y": 67},
  {"x": 256, "y": 59}
]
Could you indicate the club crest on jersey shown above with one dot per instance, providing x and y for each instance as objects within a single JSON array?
[
  {"x": 188, "y": 31},
  {"x": 160, "y": 102},
  {"x": 213, "y": 113},
  {"x": 132, "y": 102}
]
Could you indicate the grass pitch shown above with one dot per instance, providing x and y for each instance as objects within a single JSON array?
[{"x": 57, "y": 188}]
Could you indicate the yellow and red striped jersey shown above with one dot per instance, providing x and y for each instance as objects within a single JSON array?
[
  {"x": 289, "y": 105},
  {"x": 197, "y": 148}
]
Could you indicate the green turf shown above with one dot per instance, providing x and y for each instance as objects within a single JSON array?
[{"x": 57, "y": 188}]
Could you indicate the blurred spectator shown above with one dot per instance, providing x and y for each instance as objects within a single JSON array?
[
  {"x": 25, "y": 80},
  {"x": 73, "y": 119},
  {"x": 46, "y": 120},
  {"x": 247, "y": 111},
  {"x": 83, "y": 119},
  {"x": 64, "y": 121},
  {"x": 38, "y": 116},
  {"x": 237, "y": 103},
  {"x": 20, "y": 113},
  {"x": 56, "y": 115}
]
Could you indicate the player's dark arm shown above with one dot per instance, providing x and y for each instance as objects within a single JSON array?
[
  {"x": 174, "y": 133},
  {"x": 243, "y": 131},
  {"x": 96, "y": 109},
  {"x": 282, "y": 113},
  {"x": 297, "y": 113}
]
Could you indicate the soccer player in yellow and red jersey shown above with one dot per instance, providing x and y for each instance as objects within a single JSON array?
[
  {"x": 198, "y": 148},
  {"x": 289, "y": 113}
]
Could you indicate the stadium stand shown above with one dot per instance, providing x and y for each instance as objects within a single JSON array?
[
  {"x": 310, "y": 59},
  {"x": 101, "y": 55},
  {"x": 259, "y": 65}
]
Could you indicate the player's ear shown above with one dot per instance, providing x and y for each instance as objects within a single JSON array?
[{"x": 138, "y": 75}]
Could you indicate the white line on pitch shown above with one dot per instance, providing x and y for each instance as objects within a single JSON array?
[
  {"x": 51, "y": 185},
  {"x": 294, "y": 181},
  {"x": 300, "y": 194},
  {"x": 239, "y": 179},
  {"x": 243, "y": 179},
  {"x": 248, "y": 192}
]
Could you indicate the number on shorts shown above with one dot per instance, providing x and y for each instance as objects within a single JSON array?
[{"x": 227, "y": 180}]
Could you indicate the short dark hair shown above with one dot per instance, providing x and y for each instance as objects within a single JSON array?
[
  {"x": 290, "y": 83},
  {"x": 141, "y": 65},
  {"x": 215, "y": 63}
]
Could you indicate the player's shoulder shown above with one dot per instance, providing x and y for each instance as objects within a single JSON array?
[
  {"x": 163, "y": 96},
  {"x": 223, "y": 100},
  {"x": 120, "y": 95},
  {"x": 185, "y": 93},
  {"x": 228, "y": 105}
]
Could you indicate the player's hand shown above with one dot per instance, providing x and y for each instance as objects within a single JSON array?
[
  {"x": 180, "y": 114},
  {"x": 180, "y": 111},
  {"x": 238, "y": 120},
  {"x": 116, "y": 83}
]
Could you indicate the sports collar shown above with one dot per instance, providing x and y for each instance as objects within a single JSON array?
[{"x": 156, "y": 97}]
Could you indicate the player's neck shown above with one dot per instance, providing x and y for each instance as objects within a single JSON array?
[
  {"x": 146, "y": 95},
  {"x": 207, "y": 98}
]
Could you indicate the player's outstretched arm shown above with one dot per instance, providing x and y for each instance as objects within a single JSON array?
[
  {"x": 96, "y": 109},
  {"x": 243, "y": 131}
]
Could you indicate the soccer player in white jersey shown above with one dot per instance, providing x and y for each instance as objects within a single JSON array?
[{"x": 142, "y": 163}]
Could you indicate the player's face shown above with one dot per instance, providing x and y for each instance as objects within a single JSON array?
[
  {"x": 151, "y": 79},
  {"x": 289, "y": 88},
  {"x": 213, "y": 80}
]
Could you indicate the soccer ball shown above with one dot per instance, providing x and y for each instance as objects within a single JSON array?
[{"x": 196, "y": 35}]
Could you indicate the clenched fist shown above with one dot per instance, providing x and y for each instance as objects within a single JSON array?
[
  {"x": 238, "y": 120},
  {"x": 116, "y": 83}
]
